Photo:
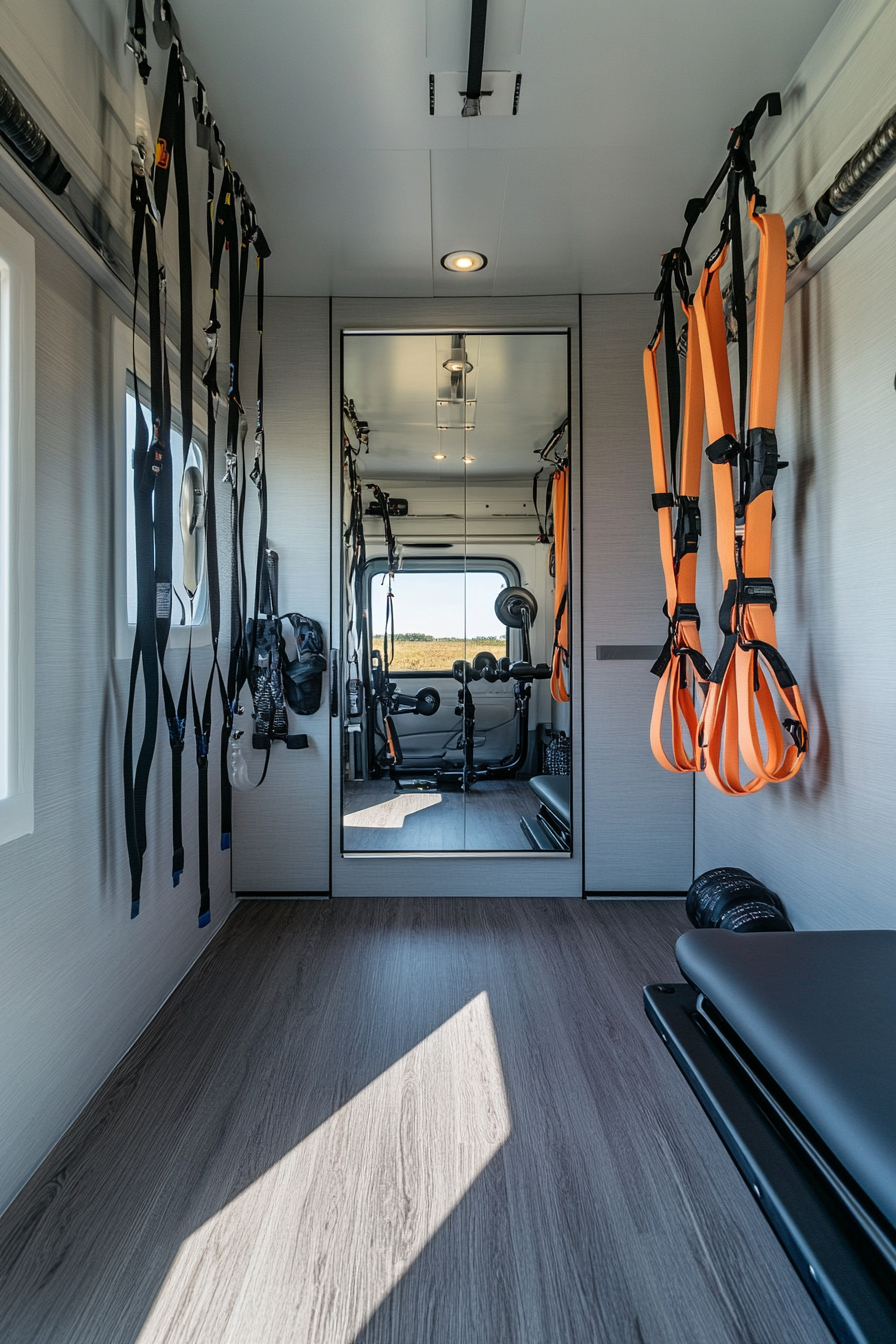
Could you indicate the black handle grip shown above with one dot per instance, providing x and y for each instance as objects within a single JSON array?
[{"x": 334, "y": 683}]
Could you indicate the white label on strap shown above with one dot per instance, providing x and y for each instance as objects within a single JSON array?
[{"x": 163, "y": 601}]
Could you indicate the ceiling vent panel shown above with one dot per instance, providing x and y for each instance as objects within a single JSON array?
[{"x": 500, "y": 96}]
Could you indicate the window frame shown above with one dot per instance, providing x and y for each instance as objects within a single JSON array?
[
  {"x": 481, "y": 564},
  {"x": 125, "y": 351},
  {"x": 18, "y": 354}
]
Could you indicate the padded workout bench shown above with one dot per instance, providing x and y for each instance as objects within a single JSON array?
[
  {"x": 789, "y": 1042},
  {"x": 551, "y": 828}
]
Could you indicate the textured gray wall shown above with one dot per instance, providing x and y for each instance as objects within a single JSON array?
[
  {"x": 281, "y": 830},
  {"x": 638, "y": 817},
  {"x": 634, "y": 831},
  {"x": 826, "y": 841},
  {"x": 79, "y": 980}
]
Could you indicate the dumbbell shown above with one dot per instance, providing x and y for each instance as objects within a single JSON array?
[{"x": 485, "y": 665}]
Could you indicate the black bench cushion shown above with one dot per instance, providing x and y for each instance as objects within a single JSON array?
[
  {"x": 818, "y": 1010},
  {"x": 553, "y": 791}
]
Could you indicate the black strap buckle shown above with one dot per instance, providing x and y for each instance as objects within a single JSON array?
[
  {"x": 756, "y": 593},
  {"x": 798, "y": 733},
  {"x": 687, "y": 526},
  {"x": 725, "y": 449},
  {"x": 761, "y": 462}
]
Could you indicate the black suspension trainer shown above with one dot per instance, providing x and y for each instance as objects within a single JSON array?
[
  {"x": 232, "y": 226},
  {"x": 153, "y": 486}
]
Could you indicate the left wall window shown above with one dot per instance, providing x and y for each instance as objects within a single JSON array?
[
  {"x": 188, "y": 625},
  {"x": 17, "y": 616}
]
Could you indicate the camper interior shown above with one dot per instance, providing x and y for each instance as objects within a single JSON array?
[{"x": 447, "y": 701}]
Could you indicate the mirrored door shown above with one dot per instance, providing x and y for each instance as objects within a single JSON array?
[{"x": 455, "y": 641}]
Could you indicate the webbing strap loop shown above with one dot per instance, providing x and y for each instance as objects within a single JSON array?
[
  {"x": 560, "y": 653},
  {"x": 740, "y": 720},
  {"x": 677, "y": 485}
]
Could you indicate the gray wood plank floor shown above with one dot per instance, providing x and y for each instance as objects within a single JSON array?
[
  {"x": 377, "y": 818},
  {"x": 402, "y": 1122}
]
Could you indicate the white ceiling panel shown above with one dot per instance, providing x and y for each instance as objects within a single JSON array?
[
  {"x": 467, "y": 203},
  {"x": 624, "y": 113},
  {"x": 519, "y": 382}
]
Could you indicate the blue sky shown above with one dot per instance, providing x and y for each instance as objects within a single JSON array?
[{"x": 433, "y": 604}]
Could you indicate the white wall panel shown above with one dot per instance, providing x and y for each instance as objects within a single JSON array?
[
  {"x": 79, "y": 979},
  {"x": 638, "y": 817}
]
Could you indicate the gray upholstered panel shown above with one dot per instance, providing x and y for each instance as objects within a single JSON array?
[
  {"x": 638, "y": 817},
  {"x": 280, "y": 830}
]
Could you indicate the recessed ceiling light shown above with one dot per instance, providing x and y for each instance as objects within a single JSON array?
[
  {"x": 439, "y": 457},
  {"x": 468, "y": 459},
  {"x": 464, "y": 262}
]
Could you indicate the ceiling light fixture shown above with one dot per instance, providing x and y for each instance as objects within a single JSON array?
[
  {"x": 468, "y": 459},
  {"x": 439, "y": 457},
  {"x": 464, "y": 262}
]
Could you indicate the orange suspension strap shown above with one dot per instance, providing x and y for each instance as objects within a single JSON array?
[
  {"x": 740, "y": 716},
  {"x": 560, "y": 659},
  {"x": 677, "y": 486}
]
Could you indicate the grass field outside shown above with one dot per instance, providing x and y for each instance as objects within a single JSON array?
[{"x": 438, "y": 655}]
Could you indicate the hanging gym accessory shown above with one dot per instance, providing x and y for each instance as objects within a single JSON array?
[
  {"x": 303, "y": 662},
  {"x": 676, "y": 485},
  {"x": 356, "y": 651},
  {"x": 555, "y": 455},
  {"x": 153, "y": 485},
  {"x": 231, "y": 223},
  {"x": 560, "y": 652},
  {"x": 750, "y": 667},
  {"x": 550, "y": 457}
]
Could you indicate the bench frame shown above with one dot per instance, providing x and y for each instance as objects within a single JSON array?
[{"x": 851, "y": 1282}]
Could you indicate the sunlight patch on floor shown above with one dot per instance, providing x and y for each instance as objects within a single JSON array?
[
  {"x": 390, "y": 815},
  {"x": 310, "y": 1250}
]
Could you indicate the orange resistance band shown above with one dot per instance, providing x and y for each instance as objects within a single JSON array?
[
  {"x": 560, "y": 660},
  {"x": 678, "y": 552},
  {"x": 749, "y": 666}
]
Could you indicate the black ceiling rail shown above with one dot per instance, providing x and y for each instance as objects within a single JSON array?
[
  {"x": 28, "y": 142},
  {"x": 473, "y": 93},
  {"x": 30, "y": 146}
]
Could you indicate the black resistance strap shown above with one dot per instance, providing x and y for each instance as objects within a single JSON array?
[
  {"x": 231, "y": 225},
  {"x": 153, "y": 486}
]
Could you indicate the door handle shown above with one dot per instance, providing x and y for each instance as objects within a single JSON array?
[{"x": 334, "y": 683}]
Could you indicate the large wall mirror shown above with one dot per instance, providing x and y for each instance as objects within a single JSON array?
[{"x": 455, "y": 618}]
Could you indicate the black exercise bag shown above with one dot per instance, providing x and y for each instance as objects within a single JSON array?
[
  {"x": 264, "y": 679},
  {"x": 303, "y": 662}
]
